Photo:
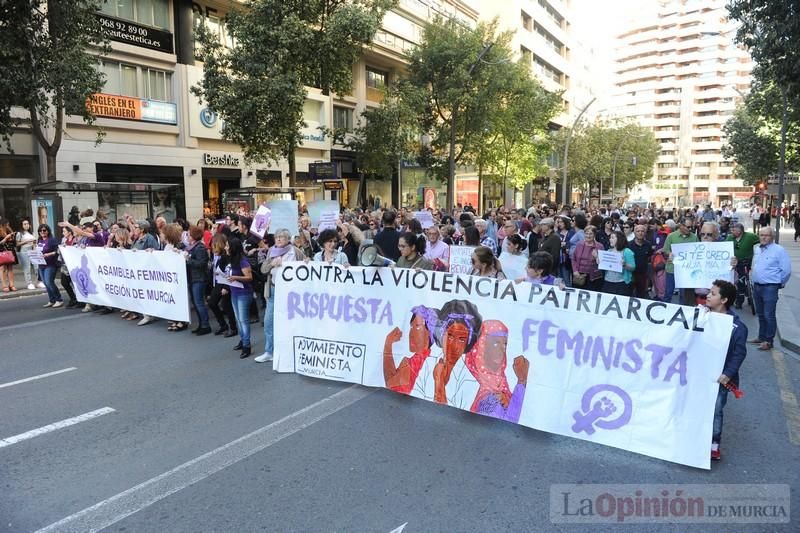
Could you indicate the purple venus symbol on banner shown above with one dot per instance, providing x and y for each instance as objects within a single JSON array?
[
  {"x": 82, "y": 278},
  {"x": 596, "y": 413}
]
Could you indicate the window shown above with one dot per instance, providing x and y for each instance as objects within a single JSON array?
[
  {"x": 376, "y": 79},
  {"x": 157, "y": 85},
  {"x": 526, "y": 55},
  {"x": 527, "y": 21},
  {"x": 125, "y": 80},
  {"x": 148, "y": 12},
  {"x": 342, "y": 118},
  {"x": 120, "y": 79}
]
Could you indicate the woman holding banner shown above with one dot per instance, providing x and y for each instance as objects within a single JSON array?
[
  {"x": 241, "y": 293},
  {"x": 171, "y": 240},
  {"x": 411, "y": 248},
  {"x": 485, "y": 264},
  {"x": 219, "y": 301},
  {"x": 402, "y": 378},
  {"x": 487, "y": 363},
  {"x": 197, "y": 260},
  {"x": 329, "y": 254},
  {"x": 281, "y": 252}
]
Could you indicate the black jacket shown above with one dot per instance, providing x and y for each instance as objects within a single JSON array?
[
  {"x": 387, "y": 240},
  {"x": 737, "y": 349},
  {"x": 198, "y": 263},
  {"x": 552, "y": 245}
]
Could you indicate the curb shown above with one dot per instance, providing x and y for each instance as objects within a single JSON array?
[
  {"x": 24, "y": 293},
  {"x": 788, "y": 329}
]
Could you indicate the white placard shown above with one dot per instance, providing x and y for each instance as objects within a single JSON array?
[
  {"x": 698, "y": 264},
  {"x": 36, "y": 257},
  {"x": 261, "y": 221},
  {"x": 609, "y": 260},
  {"x": 324, "y": 214},
  {"x": 592, "y": 366},
  {"x": 151, "y": 283},
  {"x": 284, "y": 216},
  {"x": 221, "y": 278},
  {"x": 425, "y": 218},
  {"x": 461, "y": 259}
]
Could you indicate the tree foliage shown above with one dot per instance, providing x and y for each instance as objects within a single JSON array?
[
  {"x": 259, "y": 86},
  {"x": 594, "y": 148},
  {"x": 49, "y": 67},
  {"x": 466, "y": 75}
]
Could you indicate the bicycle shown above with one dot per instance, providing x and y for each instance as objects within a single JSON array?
[{"x": 744, "y": 286}]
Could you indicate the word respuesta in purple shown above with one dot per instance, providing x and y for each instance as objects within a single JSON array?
[
  {"x": 339, "y": 308},
  {"x": 596, "y": 413}
]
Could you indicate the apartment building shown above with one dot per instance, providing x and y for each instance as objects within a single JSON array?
[
  {"x": 158, "y": 134},
  {"x": 679, "y": 72}
]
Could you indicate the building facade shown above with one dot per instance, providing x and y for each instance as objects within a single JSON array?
[
  {"x": 156, "y": 132},
  {"x": 679, "y": 72}
]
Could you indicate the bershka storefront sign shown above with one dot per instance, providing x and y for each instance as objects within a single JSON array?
[
  {"x": 225, "y": 160},
  {"x": 125, "y": 31},
  {"x": 131, "y": 108}
]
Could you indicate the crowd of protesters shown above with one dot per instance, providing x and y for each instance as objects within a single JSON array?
[{"x": 558, "y": 246}]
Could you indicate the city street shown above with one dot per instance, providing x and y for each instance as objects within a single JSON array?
[{"x": 138, "y": 429}]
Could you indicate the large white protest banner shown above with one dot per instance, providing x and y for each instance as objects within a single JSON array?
[
  {"x": 461, "y": 259},
  {"x": 151, "y": 283},
  {"x": 633, "y": 374},
  {"x": 698, "y": 264},
  {"x": 283, "y": 216}
]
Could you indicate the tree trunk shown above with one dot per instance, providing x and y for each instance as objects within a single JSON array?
[
  {"x": 362, "y": 190},
  {"x": 292, "y": 167},
  {"x": 51, "y": 164}
]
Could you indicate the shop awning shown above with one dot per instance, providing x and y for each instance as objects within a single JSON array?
[{"x": 99, "y": 186}]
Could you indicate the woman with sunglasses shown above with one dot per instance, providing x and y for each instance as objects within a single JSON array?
[{"x": 48, "y": 245}]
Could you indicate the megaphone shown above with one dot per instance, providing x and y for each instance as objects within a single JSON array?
[{"x": 371, "y": 257}]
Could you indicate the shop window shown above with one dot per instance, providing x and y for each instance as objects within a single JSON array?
[
  {"x": 342, "y": 118},
  {"x": 148, "y": 12}
]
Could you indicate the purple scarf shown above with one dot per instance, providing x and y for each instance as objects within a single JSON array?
[{"x": 279, "y": 251}]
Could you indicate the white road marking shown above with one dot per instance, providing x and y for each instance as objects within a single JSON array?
[
  {"x": 399, "y": 529},
  {"x": 112, "y": 510},
  {"x": 40, "y": 322},
  {"x": 40, "y": 376},
  {"x": 53, "y": 427}
]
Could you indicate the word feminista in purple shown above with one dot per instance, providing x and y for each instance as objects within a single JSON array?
[{"x": 82, "y": 278}]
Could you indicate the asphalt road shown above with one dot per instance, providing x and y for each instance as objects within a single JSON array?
[{"x": 199, "y": 440}]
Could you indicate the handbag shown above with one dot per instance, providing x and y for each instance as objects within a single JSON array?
[
  {"x": 580, "y": 279},
  {"x": 6, "y": 257}
]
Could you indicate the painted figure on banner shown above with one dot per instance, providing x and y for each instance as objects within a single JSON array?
[
  {"x": 487, "y": 362},
  {"x": 402, "y": 377},
  {"x": 456, "y": 334}
]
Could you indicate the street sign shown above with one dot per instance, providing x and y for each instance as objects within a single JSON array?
[{"x": 323, "y": 171}]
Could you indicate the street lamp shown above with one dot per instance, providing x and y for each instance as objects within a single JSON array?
[{"x": 451, "y": 175}]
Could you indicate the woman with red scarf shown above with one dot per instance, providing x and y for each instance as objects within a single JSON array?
[
  {"x": 402, "y": 377},
  {"x": 487, "y": 362}
]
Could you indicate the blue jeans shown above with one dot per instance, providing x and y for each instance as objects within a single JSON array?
[
  {"x": 670, "y": 287},
  {"x": 47, "y": 274},
  {"x": 685, "y": 296},
  {"x": 241, "y": 309},
  {"x": 198, "y": 297},
  {"x": 722, "y": 399},
  {"x": 766, "y": 299},
  {"x": 269, "y": 323}
]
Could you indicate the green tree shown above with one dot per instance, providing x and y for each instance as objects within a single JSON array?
[
  {"x": 453, "y": 76},
  {"x": 514, "y": 143},
  {"x": 750, "y": 146},
  {"x": 259, "y": 86},
  {"x": 49, "y": 67},
  {"x": 595, "y": 147}
]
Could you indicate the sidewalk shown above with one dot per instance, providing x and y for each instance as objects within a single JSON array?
[
  {"x": 788, "y": 311},
  {"x": 19, "y": 283}
]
